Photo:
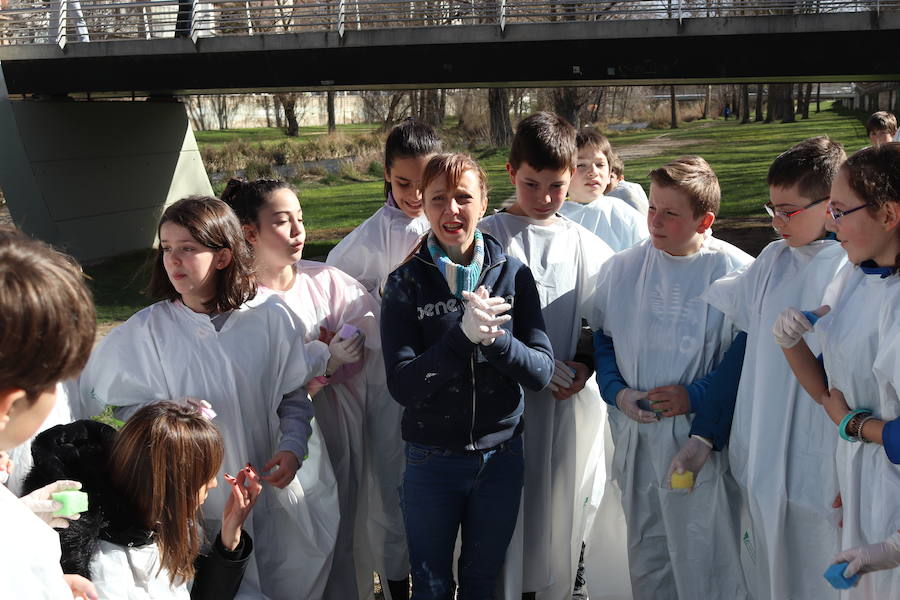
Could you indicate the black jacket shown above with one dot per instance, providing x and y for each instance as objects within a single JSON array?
[
  {"x": 459, "y": 395},
  {"x": 79, "y": 451}
]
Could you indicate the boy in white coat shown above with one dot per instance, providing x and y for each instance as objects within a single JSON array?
[{"x": 656, "y": 340}]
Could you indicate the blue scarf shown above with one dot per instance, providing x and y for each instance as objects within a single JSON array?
[{"x": 459, "y": 278}]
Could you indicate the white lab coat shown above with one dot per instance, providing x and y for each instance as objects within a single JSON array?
[
  {"x": 323, "y": 296},
  {"x": 129, "y": 573},
  {"x": 21, "y": 454},
  {"x": 859, "y": 338},
  {"x": 369, "y": 254},
  {"x": 167, "y": 351},
  {"x": 563, "y": 441},
  {"x": 610, "y": 219},
  {"x": 681, "y": 546},
  {"x": 30, "y": 550},
  {"x": 782, "y": 445},
  {"x": 633, "y": 195},
  {"x": 373, "y": 250}
]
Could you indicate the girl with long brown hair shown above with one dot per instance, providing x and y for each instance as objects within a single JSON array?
[{"x": 251, "y": 364}]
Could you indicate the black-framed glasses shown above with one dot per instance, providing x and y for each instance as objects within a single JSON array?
[
  {"x": 837, "y": 213},
  {"x": 770, "y": 208}
]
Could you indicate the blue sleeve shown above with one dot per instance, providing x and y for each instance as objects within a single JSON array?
[
  {"x": 609, "y": 379},
  {"x": 526, "y": 357},
  {"x": 713, "y": 396},
  {"x": 295, "y": 414},
  {"x": 415, "y": 372},
  {"x": 890, "y": 436}
]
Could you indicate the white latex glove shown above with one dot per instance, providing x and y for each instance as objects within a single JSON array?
[
  {"x": 792, "y": 324},
  {"x": 345, "y": 352},
  {"x": 40, "y": 503},
  {"x": 875, "y": 557},
  {"x": 692, "y": 456},
  {"x": 563, "y": 376},
  {"x": 627, "y": 402},
  {"x": 483, "y": 316}
]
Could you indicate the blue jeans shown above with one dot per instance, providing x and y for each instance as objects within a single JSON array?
[{"x": 443, "y": 491}]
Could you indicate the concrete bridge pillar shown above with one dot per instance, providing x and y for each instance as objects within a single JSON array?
[{"x": 93, "y": 177}]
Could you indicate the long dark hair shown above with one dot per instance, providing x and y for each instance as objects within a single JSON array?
[
  {"x": 409, "y": 139},
  {"x": 246, "y": 197},
  {"x": 159, "y": 461},
  {"x": 214, "y": 225}
]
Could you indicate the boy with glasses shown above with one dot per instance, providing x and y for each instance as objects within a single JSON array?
[{"x": 781, "y": 449}]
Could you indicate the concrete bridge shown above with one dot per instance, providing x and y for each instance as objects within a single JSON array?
[{"x": 163, "y": 48}]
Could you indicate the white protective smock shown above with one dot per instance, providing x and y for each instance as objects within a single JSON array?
[
  {"x": 323, "y": 296},
  {"x": 167, "y": 351},
  {"x": 21, "y": 454},
  {"x": 859, "y": 337},
  {"x": 610, "y": 219},
  {"x": 563, "y": 439},
  {"x": 681, "y": 546},
  {"x": 30, "y": 550},
  {"x": 369, "y": 254},
  {"x": 129, "y": 573},
  {"x": 782, "y": 444},
  {"x": 633, "y": 195}
]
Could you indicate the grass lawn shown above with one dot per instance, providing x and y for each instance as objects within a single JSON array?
[{"x": 740, "y": 154}]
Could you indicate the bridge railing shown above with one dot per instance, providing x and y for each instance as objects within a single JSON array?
[{"x": 66, "y": 21}]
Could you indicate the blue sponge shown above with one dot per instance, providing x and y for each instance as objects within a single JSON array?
[
  {"x": 835, "y": 576},
  {"x": 811, "y": 316}
]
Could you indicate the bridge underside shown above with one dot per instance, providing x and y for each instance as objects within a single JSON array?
[{"x": 824, "y": 47}]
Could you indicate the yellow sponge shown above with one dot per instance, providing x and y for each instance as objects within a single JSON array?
[{"x": 682, "y": 481}]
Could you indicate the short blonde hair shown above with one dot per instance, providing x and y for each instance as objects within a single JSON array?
[{"x": 693, "y": 176}]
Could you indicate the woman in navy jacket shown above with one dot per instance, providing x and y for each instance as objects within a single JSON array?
[{"x": 462, "y": 332}]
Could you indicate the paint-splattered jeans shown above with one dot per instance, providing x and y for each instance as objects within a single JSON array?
[{"x": 443, "y": 491}]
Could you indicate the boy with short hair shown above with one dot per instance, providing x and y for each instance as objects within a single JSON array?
[
  {"x": 782, "y": 445},
  {"x": 47, "y": 326},
  {"x": 632, "y": 193},
  {"x": 610, "y": 219},
  {"x": 657, "y": 347},
  {"x": 562, "y": 423},
  {"x": 881, "y": 127}
]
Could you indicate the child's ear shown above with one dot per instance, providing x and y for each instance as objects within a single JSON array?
[
  {"x": 250, "y": 233},
  {"x": 512, "y": 173},
  {"x": 890, "y": 215},
  {"x": 706, "y": 222},
  {"x": 223, "y": 258},
  {"x": 387, "y": 175},
  {"x": 8, "y": 397}
]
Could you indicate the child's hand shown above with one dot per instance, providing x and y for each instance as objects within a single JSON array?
[
  {"x": 692, "y": 456},
  {"x": 576, "y": 381},
  {"x": 627, "y": 402},
  {"x": 670, "y": 400},
  {"x": 287, "y": 464},
  {"x": 245, "y": 489},
  {"x": 81, "y": 587}
]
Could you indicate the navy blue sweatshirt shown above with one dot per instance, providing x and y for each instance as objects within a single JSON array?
[{"x": 458, "y": 395}]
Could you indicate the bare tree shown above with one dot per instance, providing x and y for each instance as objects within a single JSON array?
[
  {"x": 759, "y": 103},
  {"x": 289, "y": 103},
  {"x": 788, "y": 104},
  {"x": 498, "y": 104},
  {"x": 706, "y": 95},
  {"x": 332, "y": 122},
  {"x": 673, "y": 123},
  {"x": 807, "y": 100},
  {"x": 745, "y": 103}
]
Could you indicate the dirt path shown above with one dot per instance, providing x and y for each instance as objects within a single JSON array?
[{"x": 656, "y": 145}]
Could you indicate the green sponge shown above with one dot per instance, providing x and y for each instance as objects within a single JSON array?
[{"x": 73, "y": 502}]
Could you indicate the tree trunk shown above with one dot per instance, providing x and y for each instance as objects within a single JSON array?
[
  {"x": 807, "y": 100},
  {"x": 498, "y": 105},
  {"x": 332, "y": 122},
  {"x": 392, "y": 111},
  {"x": 706, "y": 101},
  {"x": 566, "y": 104},
  {"x": 818, "y": 97},
  {"x": 745, "y": 103},
  {"x": 759, "y": 103},
  {"x": 289, "y": 105},
  {"x": 267, "y": 106},
  {"x": 673, "y": 123},
  {"x": 279, "y": 112},
  {"x": 772, "y": 101},
  {"x": 788, "y": 114}
]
